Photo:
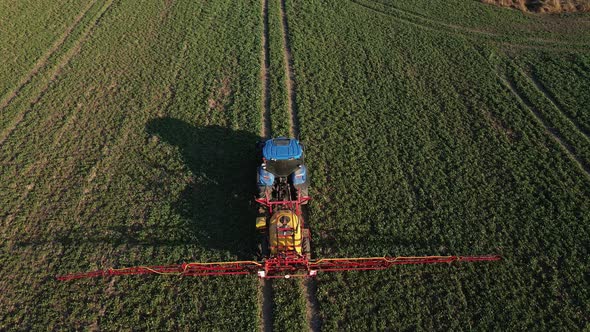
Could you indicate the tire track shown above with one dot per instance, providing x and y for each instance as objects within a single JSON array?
[
  {"x": 58, "y": 69},
  {"x": 431, "y": 25},
  {"x": 42, "y": 62},
  {"x": 541, "y": 88},
  {"x": 265, "y": 129},
  {"x": 312, "y": 307},
  {"x": 40, "y": 165},
  {"x": 309, "y": 286},
  {"x": 290, "y": 75},
  {"x": 265, "y": 304},
  {"x": 265, "y": 296},
  {"x": 522, "y": 100}
]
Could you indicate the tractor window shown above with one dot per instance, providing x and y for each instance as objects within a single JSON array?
[{"x": 281, "y": 142}]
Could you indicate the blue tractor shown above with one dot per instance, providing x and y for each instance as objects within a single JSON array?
[
  {"x": 282, "y": 189},
  {"x": 282, "y": 175}
]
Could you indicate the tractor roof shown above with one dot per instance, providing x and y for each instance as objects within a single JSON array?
[{"x": 282, "y": 148}]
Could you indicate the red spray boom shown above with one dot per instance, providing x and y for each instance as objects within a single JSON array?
[{"x": 285, "y": 267}]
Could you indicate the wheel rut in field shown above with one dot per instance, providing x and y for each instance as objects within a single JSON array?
[
  {"x": 312, "y": 305},
  {"x": 265, "y": 296},
  {"x": 43, "y": 60},
  {"x": 541, "y": 88},
  {"x": 523, "y": 100},
  {"x": 424, "y": 22},
  {"x": 57, "y": 70},
  {"x": 309, "y": 286},
  {"x": 265, "y": 129},
  {"x": 290, "y": 75},
  {"x": 266, "y": 305}
]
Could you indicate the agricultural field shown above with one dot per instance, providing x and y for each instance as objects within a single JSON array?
[
  {"x": 111, "y": 156},
  {"x": 427, "y": 137},
  {"x": 127, "y": 138}
]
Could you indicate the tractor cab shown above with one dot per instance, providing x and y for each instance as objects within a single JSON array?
[
  {"x": 282, "y": 156},
  {"x": 282, "y": 166}
]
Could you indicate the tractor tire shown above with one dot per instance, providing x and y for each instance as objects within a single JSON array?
[
  {"x": 259, "y": 147},
  {"x": 263, "y": 250},
  {"x": 306, "y": 244}
]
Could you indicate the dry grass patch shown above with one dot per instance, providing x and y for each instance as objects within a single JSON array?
[{"x": 544, "y": 6}]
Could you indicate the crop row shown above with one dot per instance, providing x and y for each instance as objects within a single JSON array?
[
  {"x": 570, "y": 98},
  {"x": 559, "y": 123},
  {"x": 23, "y": 41},
  {"x": 418, "y": 148},
  {"x": 139, "y": 152},
  {"x": 278, "y": 89}
]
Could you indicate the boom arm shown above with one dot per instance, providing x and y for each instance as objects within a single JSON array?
[{"x": 279, "y": 267}]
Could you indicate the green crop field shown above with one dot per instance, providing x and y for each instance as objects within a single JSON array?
[{"x": 127, "y": 138}]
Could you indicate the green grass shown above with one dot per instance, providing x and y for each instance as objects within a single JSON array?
[
  {"x": 288, "y": 306},
  {"x": 570, "y": 97},
  {"x": 279, "y": 116},
  {"x": 118, "y": 164},
  {"x": 23, "y": 42},
  {"x": 417, "y": 147},
  {"x": 430, "y": 128}
]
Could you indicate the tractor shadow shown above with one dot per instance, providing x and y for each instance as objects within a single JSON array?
[
  {"x": 212, "y": 211},
  {"x": 216, "y": 208}
]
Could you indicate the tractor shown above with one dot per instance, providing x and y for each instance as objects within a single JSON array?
[
  {"x": 284, "y": 250},
  {"x": 282, "y": 180}
]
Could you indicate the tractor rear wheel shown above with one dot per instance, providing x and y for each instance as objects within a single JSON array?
[
  {"x": 306, "y": 244},
  {"x": 263, "y": 251}
]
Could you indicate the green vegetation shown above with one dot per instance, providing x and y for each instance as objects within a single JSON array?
[
  {"x": 35, "y": 78},
  {"x": 278, "y": 91},
  {"x": 23, "y": 43},
  {"x": 127, "y": 134},
  {"x": 552, "y": 71},
  {"x": 479, "y": 22},
  {"x": 118, "y": 163},
  {"x": 418, "y": 146},
  {"x": 289, "y": 306},
  {"x": 550, "y": 114}
]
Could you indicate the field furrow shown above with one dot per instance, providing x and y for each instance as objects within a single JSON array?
[
  {"x": 567, "y": 148},
  {"x": 56, "y": 71},
  {"x": 266, "y": 126},
  {"x": 265, "y": 291},
  {"x": 128, "y": 135},
  {"x": 312, "y": 305},
  {"x": 265, "y": 303},
  {"x": 556, "y": 105},
  {"x": 289, "y": 75},
  {"x": 42, "y": 62}
]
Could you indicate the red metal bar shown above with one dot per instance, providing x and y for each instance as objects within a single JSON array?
[
  {"x": 297, "y": 203},
  {"x": 186, "y": 269},
  {"x": 280, "y": 267},
  {"x": 381, "y": 263}
]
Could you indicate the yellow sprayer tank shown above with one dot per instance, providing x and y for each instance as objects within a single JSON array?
[{"x": 285, "y": 232}]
